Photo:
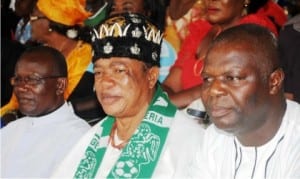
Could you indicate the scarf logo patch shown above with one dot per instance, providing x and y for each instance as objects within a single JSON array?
[{"x": 142, "y": 149}]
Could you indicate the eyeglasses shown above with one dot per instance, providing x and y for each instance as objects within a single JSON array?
[
  {"x": 34, "y": 18},
  {"x": 30, "y": 80}
]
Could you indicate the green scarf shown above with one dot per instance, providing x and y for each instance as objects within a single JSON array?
[{"x": 140, "y": 156}]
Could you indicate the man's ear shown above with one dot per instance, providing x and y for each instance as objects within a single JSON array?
[
  {"x": 276, "y": 81},
  {"x": 153, "y": 74},
  {"x": 61, "y": 85}
]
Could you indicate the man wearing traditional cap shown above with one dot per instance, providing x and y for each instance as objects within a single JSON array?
[{"x": 144, "y": 135}]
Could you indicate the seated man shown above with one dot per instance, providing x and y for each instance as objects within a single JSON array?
[
  {"x": 33, "y": 145},
  {"x": 144, "y": 135},
  {"x": 289, "y": 43},
  {"x": 255, "y": 131}
]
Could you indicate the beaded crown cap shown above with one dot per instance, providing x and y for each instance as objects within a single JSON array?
[{"x": 128, "y": 35}]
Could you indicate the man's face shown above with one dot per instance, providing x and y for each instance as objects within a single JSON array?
[
  {"x": 234, "y": 93},
  {"x": 123, "y": 86},
  {"x": 35, "y": 99}
]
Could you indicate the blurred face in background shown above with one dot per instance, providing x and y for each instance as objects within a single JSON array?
[
  {"x": 121, "y": 6},
  {"x": 24, "y": 7},
  {"x": 224, "y": 12},
  {"x": 39, "y": 26}
]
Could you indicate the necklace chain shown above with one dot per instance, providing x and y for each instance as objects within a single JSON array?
[{"x": 112, "y": 138}]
